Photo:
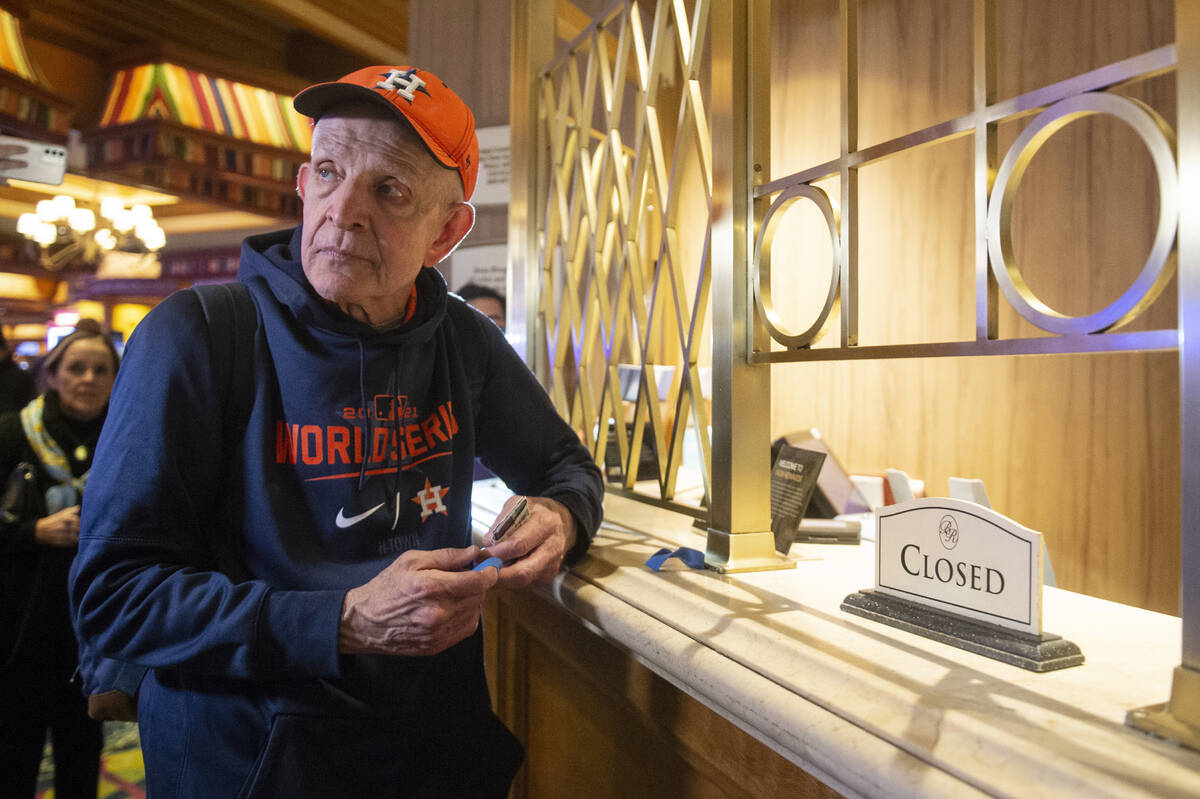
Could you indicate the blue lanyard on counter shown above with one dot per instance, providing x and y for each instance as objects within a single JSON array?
[{"x": 694, "y": 558}]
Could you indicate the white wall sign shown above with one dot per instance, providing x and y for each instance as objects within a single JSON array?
[
  {"x": 486, "y": 265},
  {"x": 120, "y": 264},
  {"x": 492, "y": 185},
  {"x": 961, "y": 558}
]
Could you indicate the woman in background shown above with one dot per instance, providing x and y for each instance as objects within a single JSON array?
[{"x": 56, "y": 434}]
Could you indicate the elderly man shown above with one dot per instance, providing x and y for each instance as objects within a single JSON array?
[{"x": 288, "y": 548}]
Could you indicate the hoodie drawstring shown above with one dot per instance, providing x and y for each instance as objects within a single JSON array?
[
  {"x": 397, "y": 431},
  {"x": 364, "y": 424}
]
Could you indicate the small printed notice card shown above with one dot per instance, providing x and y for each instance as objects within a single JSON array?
[{"x": 793, "y": 479}]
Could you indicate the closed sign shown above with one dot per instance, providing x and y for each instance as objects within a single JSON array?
[{"x": 962, "y": 558}]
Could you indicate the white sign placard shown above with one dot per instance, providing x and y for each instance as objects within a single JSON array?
[
  {"x": 492, "y": 186},
  {"x": 486, "y": 265},
  {"x": 120, "y": 264},
  {"x": 961, "y": 558}
]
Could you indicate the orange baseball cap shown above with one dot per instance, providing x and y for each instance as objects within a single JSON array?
[{"x": 436, "y": 113}]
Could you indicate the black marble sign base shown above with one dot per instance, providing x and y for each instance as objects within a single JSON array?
[{"x": 1045, "y": 652}]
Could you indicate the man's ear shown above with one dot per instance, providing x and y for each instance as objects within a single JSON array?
[
  {"x": 459, "y": 221},
  {"x": 302, "y": 178}
]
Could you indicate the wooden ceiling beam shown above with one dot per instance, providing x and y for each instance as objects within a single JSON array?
[
  {"x": 70, "y": 34},
  {"x": 266, "y": 41},
  {"x": 216, "y": 64},
  {"x": 221, "y": 28},
  {"x": 382, "y": 38}
]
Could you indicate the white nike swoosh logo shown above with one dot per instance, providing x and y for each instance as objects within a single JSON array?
[{"x": 343, "y": 521}]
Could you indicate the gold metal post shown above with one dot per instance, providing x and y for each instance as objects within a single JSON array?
[
  {"x": 532, "y": 48},
  {"x": 739, "y": 536},
  {"x": 849, "y": 173},
  {"x": 987, "y": 307},
  {"x": 1179, "y": 719}
]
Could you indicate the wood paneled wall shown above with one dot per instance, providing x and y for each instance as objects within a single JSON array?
[
  {"x": 597, "y": 724},
  {"x": 1085, "y": 449},
  {"x": 466, "y": 44}
]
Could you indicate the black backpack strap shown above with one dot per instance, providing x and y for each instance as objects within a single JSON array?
[
  {"x": 232, "y": 322},
  {"x": 232, "y": 319}
]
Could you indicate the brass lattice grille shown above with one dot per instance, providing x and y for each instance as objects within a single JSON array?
[{"x": 624, "y": 262}]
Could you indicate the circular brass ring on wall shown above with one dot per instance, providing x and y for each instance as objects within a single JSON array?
[
  {"x": 1159, "y": 139},
  {"x": 762, "y": 266}
]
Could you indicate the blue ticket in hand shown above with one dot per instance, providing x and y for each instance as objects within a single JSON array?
[{"x": 483, "y": 564}]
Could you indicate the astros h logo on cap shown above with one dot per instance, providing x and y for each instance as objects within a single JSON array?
[{"x": 436, "y": 113}]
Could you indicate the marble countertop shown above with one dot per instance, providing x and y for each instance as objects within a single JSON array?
[{"x": 869, "y": 709}]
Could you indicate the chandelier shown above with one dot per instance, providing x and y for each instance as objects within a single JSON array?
[{"x": 66, "y": 232}]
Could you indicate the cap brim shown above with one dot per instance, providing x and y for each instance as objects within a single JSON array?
[{"x": 315, "y": 101}]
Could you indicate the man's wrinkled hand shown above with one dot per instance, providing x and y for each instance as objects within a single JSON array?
[
  {"x": 533, "y": 552},
  {"x": 424, "y": 602}
]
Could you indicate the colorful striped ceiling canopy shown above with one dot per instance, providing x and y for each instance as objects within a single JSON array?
[
  {"x": 13, "y": 57},
  {"x": 194, "y": 135},
  {"x": 169, "y": 92},
  {"x": 28, "y": 105}
]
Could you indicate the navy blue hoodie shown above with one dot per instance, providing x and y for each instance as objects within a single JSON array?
[{"x": 225, "y": 571}]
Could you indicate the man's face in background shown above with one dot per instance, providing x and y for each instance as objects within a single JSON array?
[{"x": 491, "y": 308}]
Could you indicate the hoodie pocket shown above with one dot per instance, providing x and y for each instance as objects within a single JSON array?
[
  {"x": 316, "y": 757},
  {"x": 319, "y": 757}
]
